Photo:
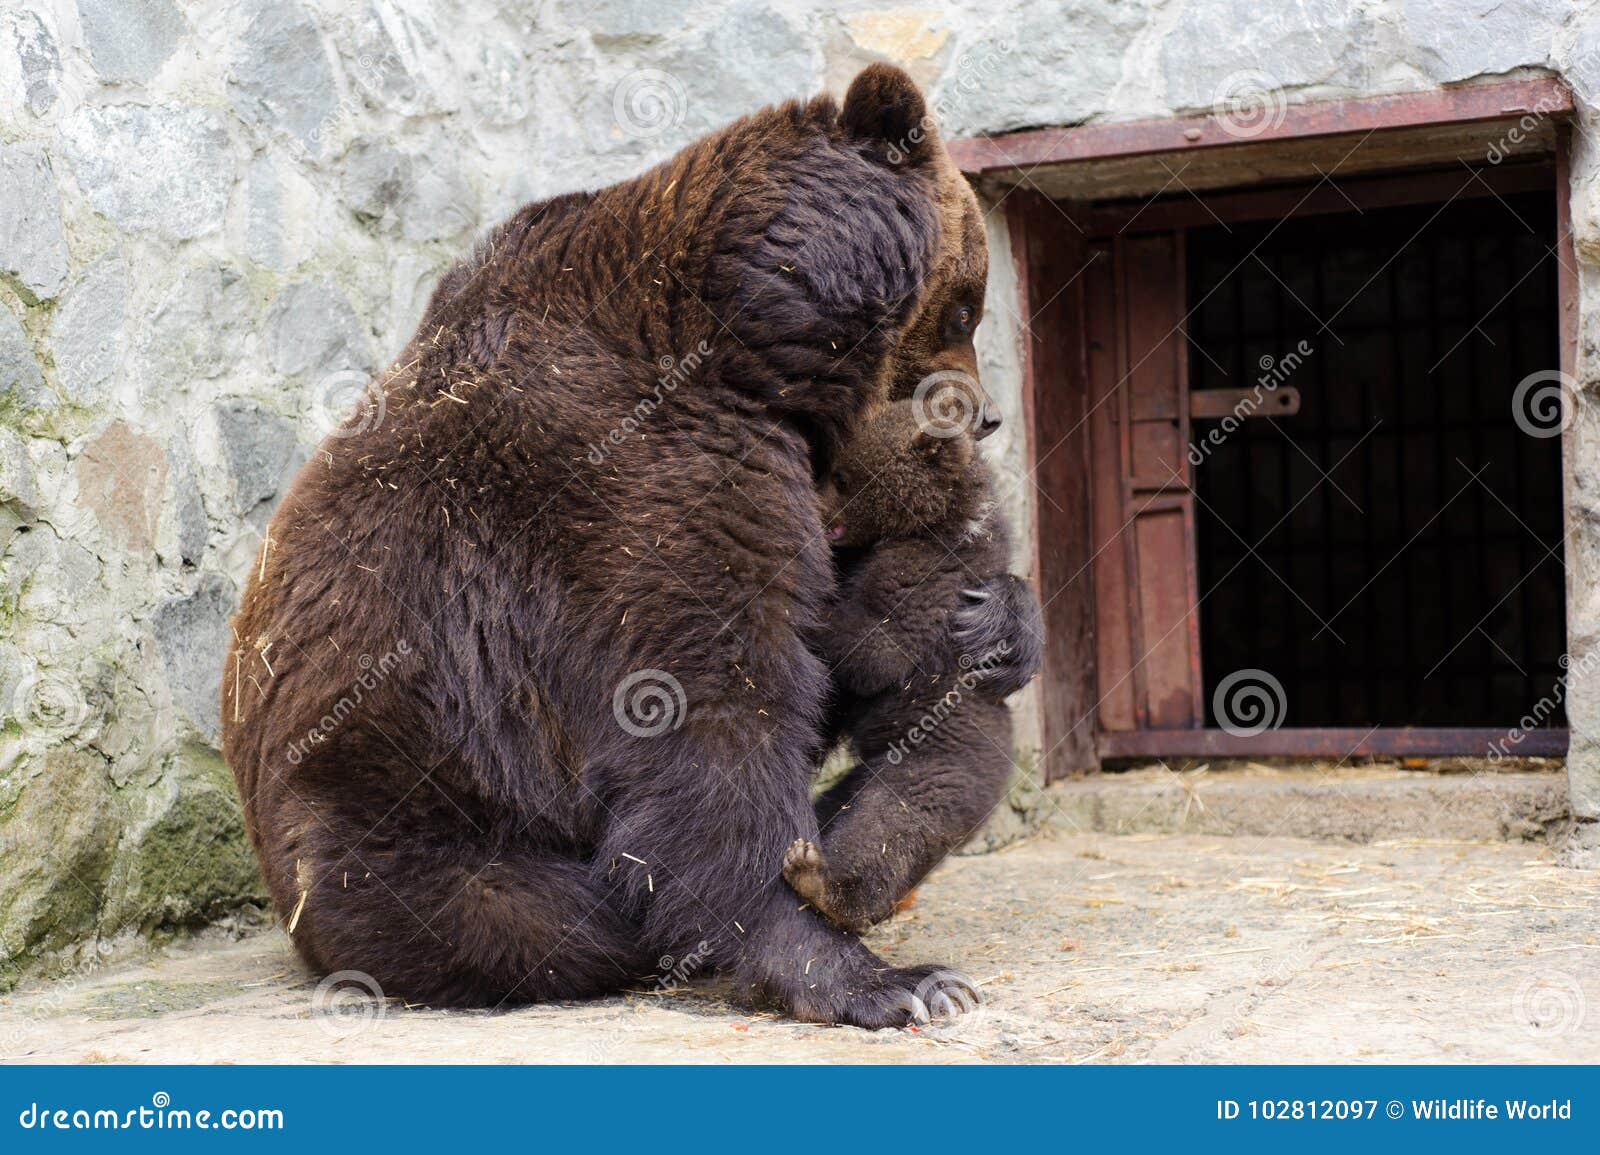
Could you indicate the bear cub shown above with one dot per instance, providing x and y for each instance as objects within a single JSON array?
[{"x": 910, "y": 509}]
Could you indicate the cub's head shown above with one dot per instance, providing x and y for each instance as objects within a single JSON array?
[
  {"x": 933, "y": 360},
  {"x": 899, "y": 476}
]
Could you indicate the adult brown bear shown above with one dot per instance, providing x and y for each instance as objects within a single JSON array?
[{"x": 521, "y": 697}]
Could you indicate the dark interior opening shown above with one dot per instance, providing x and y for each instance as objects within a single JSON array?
[{"x": 1392, "y": 554}]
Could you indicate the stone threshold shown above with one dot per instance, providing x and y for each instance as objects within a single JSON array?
[{"x": 1358, "y": 804}]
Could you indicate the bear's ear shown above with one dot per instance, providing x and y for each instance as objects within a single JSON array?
[{"x": 885, "y": 107}]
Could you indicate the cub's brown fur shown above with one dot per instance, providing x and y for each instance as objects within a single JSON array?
[
  {"x": 921, "y": 706},
  {"x": 518, "y": 527}
]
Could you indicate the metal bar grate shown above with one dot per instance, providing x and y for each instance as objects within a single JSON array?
[{"x": 1392, "y": 553}]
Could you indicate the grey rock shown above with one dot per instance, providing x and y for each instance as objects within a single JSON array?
[
  {"x": 38, "y": 59},
  {"x": 192, "y": 635},
  {"x": 197, "y": 330},
  {"x": 184, "y": 508},
  {"x": 33, "y": 247},
  {"x": 1226, "y": 50},
  {"x": 86, "y": 331},
  {"x": 1456, "y": 39},
  {"x": 1045, "y": 63},
  {"x": 263, "y": 227},
  {"x": 19, "y": 489},
  {"x": 373, "y": 177},
  {"x": 312, "y": 329},
  {"x": 622, "y": 19},
  {"x": 497, "y": 85},
  {"x": 439, "y": 202},
  {"x": 258, "y": 447},
  {"x": 1582, "y": 68},
  {"x": 163, "y": 167},
  {"x": 400, "y": 62},
  {"x": 130, "y": 39},
  {"x": 21, "y": 381},
  {"x": 761, "y": 57},
  {"x": 281, "y": 75}
]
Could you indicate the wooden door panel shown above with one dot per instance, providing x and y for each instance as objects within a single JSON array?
[
  {"x": 1114, "y": 611},
  {"x": 1145, "y": 595}
]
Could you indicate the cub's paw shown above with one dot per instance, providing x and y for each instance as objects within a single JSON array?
[
  {"x": 806, "y": 871},
  {"x": 999, "y": 632}
]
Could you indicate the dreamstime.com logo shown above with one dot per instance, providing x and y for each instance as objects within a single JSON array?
[
  {"x": 1249, "y": 702},
  {"x": 373, "y": 674},
  {"x": 675, "y": 371},
  {"x": 649, "y": 703},
  {"x": 676, "y": 972},
  {"x": 1545, "y": 708},
  {"x": 945, "y": 404},
  {"x": 1274, "y": 372},
  {"x": 346, "y": 1003},
  {"x": 949, "y": 1002},
  {"x": 973, "y": 672},
  {"x": 1247, "y": 104},
  {"x": 160, "y": 1115},
  {"x": 1545, "y": 403},
  {"x": 344, "y": 404},
  {"x": 1547, "y": 1006},
  {"x": 974, "y": 72},
  {"x": 49, "y": 705},
  {"x": 648, "y": 103}
]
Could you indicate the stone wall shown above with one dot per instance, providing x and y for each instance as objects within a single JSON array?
[{"x": 217, "y": 218}]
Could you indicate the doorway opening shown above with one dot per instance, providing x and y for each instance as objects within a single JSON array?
[{"x": 1390, "y": 554}]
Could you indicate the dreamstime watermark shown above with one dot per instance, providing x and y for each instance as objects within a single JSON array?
[
  {"x": 676, "y": 972},
  {"x": 1552, "y": 101},
  {"x": 974, "y": 72},
  {"x": 973, "y": 671},
  {"x": 344, "y": 404},
  {"x": 369, "y": 71},
  {"x": 1544, "y": 708},
  {"x": 49, "y": 705},
  {"x": 1274, "y": 372},
  {"x": 52, "y": 1001},
  {"x": 947, "y": 404},
  {"x": 1249, "y": 702},
  {"x": 373, "y": 674},
  {"x": 160, "y": 1115},
  {"x": 1249, "y": 103},
  {"x": 347, "y": 1002},
  {"x": 649, "y": 703},
  {"x": 1545, "y": 403},
  {"x": 648, "y": 103},
  {"x": 949, "y": 1003},
  {"x": 675, "y": 371},
  {"x": 1551, "y": 1005}
]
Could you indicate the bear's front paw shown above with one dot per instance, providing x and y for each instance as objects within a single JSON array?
[
  {"x": 909, "y": 996},
  {"x": 806, "y": 871}
]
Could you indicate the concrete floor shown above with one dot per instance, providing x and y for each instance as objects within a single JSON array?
[{"x": 1089, "y": 947}]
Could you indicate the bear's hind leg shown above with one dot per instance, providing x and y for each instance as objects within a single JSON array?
[{"x": 455, "y": 919}]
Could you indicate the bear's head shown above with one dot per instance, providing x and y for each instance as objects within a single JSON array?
[
  {"x": 933, "y": 359},
  {"x": 901, "y": 476}
]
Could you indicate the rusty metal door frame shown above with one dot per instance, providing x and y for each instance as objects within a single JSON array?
[{"x": 1069, "y": 258}]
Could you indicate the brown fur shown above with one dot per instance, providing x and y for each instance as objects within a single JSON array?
[
  {"x": 474, "y": 826},
  {"x": 918, "y": 704}
]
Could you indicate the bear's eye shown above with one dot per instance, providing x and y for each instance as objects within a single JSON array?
[
  {"x": 840, "y": 481},
  {"x": 962, "y": 319}
]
